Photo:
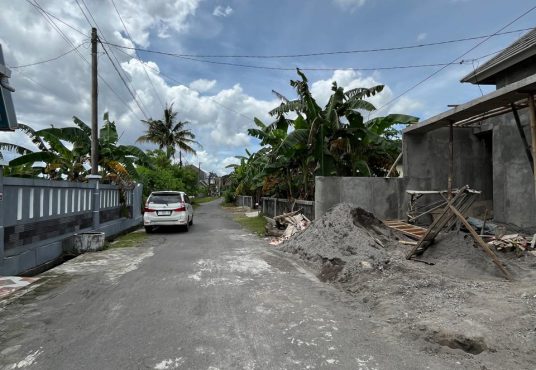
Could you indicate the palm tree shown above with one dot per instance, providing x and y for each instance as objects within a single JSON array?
[{"x": 169, "y": 134}]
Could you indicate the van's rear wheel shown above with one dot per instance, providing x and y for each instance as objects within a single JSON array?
[
  {"x": 148, "y": 229},
  {"x": 186, "y": 227}
]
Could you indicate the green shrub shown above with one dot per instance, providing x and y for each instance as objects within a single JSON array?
[{"x": 229, "y": 196}]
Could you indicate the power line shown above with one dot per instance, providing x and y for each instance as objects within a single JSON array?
[
  {"x": 251, "y": 66},
  {"x": 315, "y": 54},
  {"x": 133, "y": 94},
  {"x": 49, "y": 60},
  {"x": 454, "y": 60},
  {"x": 47, "y": 17},
  {"x": 39, "y": 7},
  {"x": 180, "y": 83},
  {"x": 143, "y": 64},
  {"x": 84, "y": 14}
]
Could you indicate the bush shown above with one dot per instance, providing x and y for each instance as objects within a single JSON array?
[{"x": 229, "y": 196}]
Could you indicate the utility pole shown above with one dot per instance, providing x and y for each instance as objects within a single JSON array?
[{"x": 94, "y": 107}]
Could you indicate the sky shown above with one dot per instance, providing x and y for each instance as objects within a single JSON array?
[{"x": 220, "y": 95}]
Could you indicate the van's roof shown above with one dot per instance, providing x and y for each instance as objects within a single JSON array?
[{"x": 167, "y": 192}]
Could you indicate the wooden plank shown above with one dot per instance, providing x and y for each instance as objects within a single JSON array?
[
  {"x": 481, "y": 242},
  {"x": 412, "y": 231},
  {"x": 438, "y": 224}
]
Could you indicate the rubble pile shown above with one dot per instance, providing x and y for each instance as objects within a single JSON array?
[
  {"x": 513, "y": 242},
  {"x": 283, "y": 227}
]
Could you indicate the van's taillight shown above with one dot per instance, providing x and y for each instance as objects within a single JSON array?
[
  {"x": 147, "y": 209},
  {"x": 182, "y": 208}
]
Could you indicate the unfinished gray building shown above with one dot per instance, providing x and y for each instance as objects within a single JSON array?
[{"x": 487, "y": 143}]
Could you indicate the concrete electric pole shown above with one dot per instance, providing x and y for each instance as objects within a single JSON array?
[{"x": 94, "y": 106}]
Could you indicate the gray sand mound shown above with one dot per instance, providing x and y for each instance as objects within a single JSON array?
[{"x": 460, "y": 303}]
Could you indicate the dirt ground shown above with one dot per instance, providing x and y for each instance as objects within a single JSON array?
[{"x": 461, "y": 305}]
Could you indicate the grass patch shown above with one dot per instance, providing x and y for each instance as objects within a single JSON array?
[
  {"x": 203, "y": 200},
  {"x": 132, "y": 239},
  {"x": 228, "y": 205},
  {"x": 196, "y": 202},
  {"x": 253, "y": 224}
]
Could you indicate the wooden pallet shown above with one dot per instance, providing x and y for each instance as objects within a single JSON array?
[{"x": 414, "y": 232}]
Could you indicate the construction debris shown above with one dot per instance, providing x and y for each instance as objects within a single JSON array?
[
  {"x": 284, "y": 226},
  {"x": 413, "y": 231},
  {"x": 512, "y": 242}
]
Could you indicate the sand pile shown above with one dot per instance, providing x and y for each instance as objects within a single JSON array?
[
  {"x": 347, "y": 242},
  {"x": 461, "y": 303}
]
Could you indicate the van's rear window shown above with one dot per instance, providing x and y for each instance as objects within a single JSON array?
[{"x": 165, "y": 198}]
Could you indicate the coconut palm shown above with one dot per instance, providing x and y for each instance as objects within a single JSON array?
[{"x": 169, "y": 133}]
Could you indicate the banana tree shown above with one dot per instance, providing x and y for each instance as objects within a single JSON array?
[{"x": 66, "y": 152}]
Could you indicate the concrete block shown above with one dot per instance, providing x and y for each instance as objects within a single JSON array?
[{"x": 88, "y": 242}]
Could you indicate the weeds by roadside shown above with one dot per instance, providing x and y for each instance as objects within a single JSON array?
[
  {"x": 132, "y": 239},
  {"x": 196, "y": 202},
  {"x": 228, "y": 205},
  {"x": 253, "y": 224},
  {"x": 203, "y": 200}
]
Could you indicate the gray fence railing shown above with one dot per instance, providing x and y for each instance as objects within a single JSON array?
[
  {"x": 244, "y": 201},
  {"x": 272, "y": 207},
  {"x": 38, "y": 216}
]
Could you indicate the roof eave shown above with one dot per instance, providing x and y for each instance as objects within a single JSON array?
[
  {"x": 500, "y": 97},
  {"x": 486, "y": 76}
]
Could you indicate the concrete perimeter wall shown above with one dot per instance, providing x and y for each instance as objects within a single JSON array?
[
  {"x": 38, "y": 218},
  {"x": 385, "y": 197}
]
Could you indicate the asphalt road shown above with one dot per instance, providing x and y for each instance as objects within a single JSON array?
[{"x": 211, "y": 298}]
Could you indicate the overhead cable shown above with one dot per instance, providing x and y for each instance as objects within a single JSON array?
[
  {"x": 305, "y": 68},
  {"x": 454, "y": 60},
  {"x": 321, "y": 53},
  {"x": 143, "y": 64},
  {"x": 51, "y": 59},
  {"x": 48, "y": 18},
  {"x": 181, "y": 83},
  {"x": 117, "y": 69},
  {"x": 39, "y": 7}
]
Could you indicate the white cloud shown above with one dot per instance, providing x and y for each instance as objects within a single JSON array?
[
  {"x": 422, "y": 36},
  {"x": 349, "y": 79},
  {"x": 51, "y": 93},
  {"x": 220, "y": 11},
  {"x": 141, "y": 16},
  {"x": 350, "y": 4},
  {"x": 202, "y": 85}
]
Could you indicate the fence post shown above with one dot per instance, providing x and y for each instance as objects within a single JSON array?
[{"x": 95, "y": 180}]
